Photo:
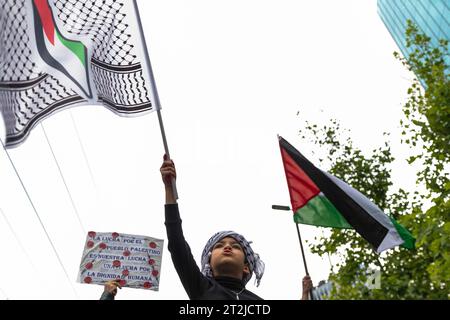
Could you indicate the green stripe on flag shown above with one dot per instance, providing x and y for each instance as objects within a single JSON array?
[
  {"x": 75, "y": 46},
  {"x": 405, "y": 235},
  {"x": 319, "y": 211}
]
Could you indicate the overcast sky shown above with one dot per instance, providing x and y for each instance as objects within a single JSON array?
[{"x": 231, "y": 76}]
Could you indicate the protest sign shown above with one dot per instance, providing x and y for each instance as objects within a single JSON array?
[{"x": 133, "y": 260}]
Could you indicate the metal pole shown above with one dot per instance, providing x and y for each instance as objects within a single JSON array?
[
  {"x": 287, "y": 208},
  {"x": 304, "y": 259},
  {"x": 154, "y": 90},
  {"x": 303, "y": 252}
]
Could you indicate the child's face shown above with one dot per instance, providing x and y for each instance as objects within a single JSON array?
[{"x": 228, "y": 257}]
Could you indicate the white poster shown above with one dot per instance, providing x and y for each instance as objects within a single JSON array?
[{"x": 133, "y": 260}]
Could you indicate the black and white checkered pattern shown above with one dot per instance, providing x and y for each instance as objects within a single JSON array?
[
  {"x": 255, "y": 264},
  {"x": 28, "y": 95}
]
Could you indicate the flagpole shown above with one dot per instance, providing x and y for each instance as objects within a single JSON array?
[
  {"x": 287, "y": 208},
  {"x": 304, "y": 259},
  {"x": 154, "y": 91},
  {"x": 301, "y": 247}
]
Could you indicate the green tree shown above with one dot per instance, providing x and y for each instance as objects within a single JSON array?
[
  {"x": 423, "y": 273},
  {"x": 427, "y": 111},
  {"x": 427, "y": 124}
]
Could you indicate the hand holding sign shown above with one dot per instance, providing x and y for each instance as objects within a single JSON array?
[
  {"x": 111, "y": 287},
  {"x": 121, "y": 260}
]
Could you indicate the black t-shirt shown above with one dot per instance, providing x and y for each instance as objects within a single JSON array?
[{"x": 197, "y": 286}]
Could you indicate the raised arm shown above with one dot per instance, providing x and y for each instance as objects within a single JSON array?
[{"x": 192, "y": 279}]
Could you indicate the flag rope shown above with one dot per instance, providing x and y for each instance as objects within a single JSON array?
[
  {"x": 17, "y": 239},
  {"x": 64, "y": 180},
  {"x": 40, "y": 220},
  {"x": 83, "y": 151}
]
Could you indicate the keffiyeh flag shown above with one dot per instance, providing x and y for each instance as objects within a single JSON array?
[{"x": 60, "y": 53}]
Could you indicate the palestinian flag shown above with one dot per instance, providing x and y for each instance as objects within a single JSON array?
[
  {"x": 320, "y": 199},
  {"x": 65, "y": 55},
  {"x": 56, "y": 55}
]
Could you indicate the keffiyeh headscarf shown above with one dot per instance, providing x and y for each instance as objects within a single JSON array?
[{"x": 255, "y": 264}]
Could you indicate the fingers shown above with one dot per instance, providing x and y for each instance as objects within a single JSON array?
[
  {"x": 117, "y": 283},
  {"x": 112, "y": 285},
  {"x": 168, "y": 164},
  {"x": 166, "y": 158},
  {"x": 168, "y": 172}
]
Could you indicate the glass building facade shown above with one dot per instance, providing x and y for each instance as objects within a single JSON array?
[{"x": 431, "y": 16}]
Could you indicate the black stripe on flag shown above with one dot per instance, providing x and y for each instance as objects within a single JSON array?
[
  {"x": 21, "y": 85},
  {"x": 15, "y": 140},
  {"x": 367, "y": 226},
  {"x": 124, "y": 109},
  {"x": 121, "y": 69}
]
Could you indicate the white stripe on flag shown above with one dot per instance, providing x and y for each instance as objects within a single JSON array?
[{"x": 392, "y": 238}]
